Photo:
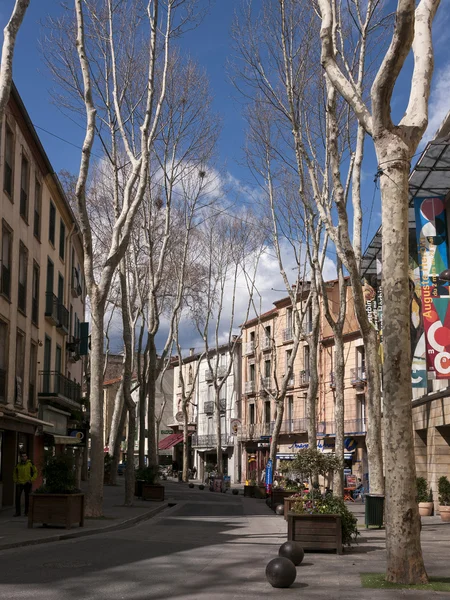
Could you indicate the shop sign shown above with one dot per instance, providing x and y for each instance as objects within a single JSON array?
[
  {"x": 263, "y": 445},
  {"x": 431, "y": 232},
  {"x": 79, "y": 434},
  {"x": 166, "y": 431}
]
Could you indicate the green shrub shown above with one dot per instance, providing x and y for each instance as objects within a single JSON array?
[
  {"x": 444, "y": 491},
  {"x": 331, "y": 505},
  {"x": 148, "y": 474},
  {"x": 423, "y": 493},
  {"x": 59, "y": 475}
]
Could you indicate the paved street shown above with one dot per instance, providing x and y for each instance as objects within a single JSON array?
[{"x": 207, "y": 546}]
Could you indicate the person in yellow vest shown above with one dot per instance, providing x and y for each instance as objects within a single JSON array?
[{"x": 24, "y": 474}]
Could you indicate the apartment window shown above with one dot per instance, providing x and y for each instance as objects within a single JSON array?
[
  {"x": 23, "y": 267},
  {"x": 76, "y": 334},
  {"x": 9, "y": 162},
  {"x": 267, "y": 369},
  {"x": 32, "y": 377},
  {"x": 62, "y": 239},
  {"x": 251, "y": 372},
  {"x": 289, "y": 318},
  {"x": 361, "y": 362},
  {"x": 306, "y": 359},
  {"x": 290, "y": 408},
  {"x": 3, "y": 359},
  {"x": 6, "y": 260},
  {"x": 37, "y": 209},
  {"x": 58, "y": 359},
  {"x": 24, "y": 185},
  {"x": 251, "y": 415},
  {"x": 52, "y": 223},
  {"x": 20, "y": 364},
  {"x": 50, "y": 275},
  {"x": 288, "y": 358},
  {"x": 60, "y": 288},
  {"x": 308, "y": 319},
  {"x": 35, "y": 295},
  {"x": 267, "y": 411}
]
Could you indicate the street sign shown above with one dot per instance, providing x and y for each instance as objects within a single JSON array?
[{"x": 166, "y": 431}]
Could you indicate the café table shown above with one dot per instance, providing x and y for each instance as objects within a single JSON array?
[{"x": 348, "y": 494}]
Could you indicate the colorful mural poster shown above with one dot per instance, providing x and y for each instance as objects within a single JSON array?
[
  {"x": 418, "y": 350},
  {"x": 431, "y": 233}
]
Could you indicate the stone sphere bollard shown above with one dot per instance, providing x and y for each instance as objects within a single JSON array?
[
  {"x": 281, "y": 572},
  {"x": 279, "y": 510},
  {"x": 293, "y": 551},
  {"x": 235, "y": 491},
  {"x": 191, "y": 485},
  {"x": 201, "y": 487}
]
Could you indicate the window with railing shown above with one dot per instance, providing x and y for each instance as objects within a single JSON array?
[
  {"x": 37, "y": 209},
  {"x": 35, "y": 295},
  {"x": 24, "y": 184},
  {"x": 23, "y": 267},
  {"x": 8, "y": 168},
  {"x": 52, "y": 223}
]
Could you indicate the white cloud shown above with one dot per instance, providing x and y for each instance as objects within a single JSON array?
[{"x": 439, "y": 101}]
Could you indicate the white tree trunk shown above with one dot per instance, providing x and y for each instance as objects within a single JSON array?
[
  {"x": 339, "y": 374},
  {"x": 404, "y": 555}
]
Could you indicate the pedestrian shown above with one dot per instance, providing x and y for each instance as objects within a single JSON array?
[
  {"x": 194, "y": 472},
  {"x": 24, "y": 474}
]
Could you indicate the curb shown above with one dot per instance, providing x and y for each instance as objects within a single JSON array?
[{"x": 84, "y": 533}]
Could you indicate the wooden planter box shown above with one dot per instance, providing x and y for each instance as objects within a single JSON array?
[
  {"x": 56, "y": 509},
  {"x": 316, "y": 532},
  {"x": 277, "y": 497},
  {"x": 152, "y": 492},
  {"x": 288, "y": 504}
]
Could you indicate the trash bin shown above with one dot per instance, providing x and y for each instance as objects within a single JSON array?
[{"x": 374, "y": 509}]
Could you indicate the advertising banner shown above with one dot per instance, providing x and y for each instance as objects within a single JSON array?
[
  {"x": 431, "y": 233},
  {"x": 269, "y": 476}
]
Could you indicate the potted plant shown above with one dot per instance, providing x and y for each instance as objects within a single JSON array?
[
  {"x": 57, "y": 501},
  {"x": 319, "y": 523},
  {"x": 424, "y": 497},
  {"x": 444, "y": 498},
  {"x": 149, "y": 481}
]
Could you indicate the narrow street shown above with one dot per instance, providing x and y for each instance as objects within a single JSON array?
[{"x": 208, "y": 545}]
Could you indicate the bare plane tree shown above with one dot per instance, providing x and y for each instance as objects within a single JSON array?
[{"x": 395, "y": 144}]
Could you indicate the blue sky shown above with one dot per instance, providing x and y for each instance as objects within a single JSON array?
[{"x": 210, "y": 45}]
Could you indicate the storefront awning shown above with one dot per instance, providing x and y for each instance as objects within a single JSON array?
[{"x": 171, "y": 440}]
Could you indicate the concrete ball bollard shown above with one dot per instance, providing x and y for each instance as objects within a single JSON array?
[
  {"x": 281, "y": 572},
  {"x": 235, "y": 491},
  {"x": 279, "y": 510},
  {"x": 293, "y": 551},
  {"x": 191, "y": 485},
  {"x": 201, "y": 487}
]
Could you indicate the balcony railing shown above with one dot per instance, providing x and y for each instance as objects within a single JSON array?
[
  {"x": 54, "y": 384},
  {"x": 267, "y": 383},
  {"x": 291, "y": 380},
  {"x": 287, "y": 334},
  {"x": 209, "y": 407},
  {"x": 63, "y": 318},
  {"x": 351, "y": 427},
  {"x": 266, "y": 343},
  {"x": 210, "y": 440},
  {"x": 249, "y": 347},
  {"x": 249, "y": 387},
  {"x": 304, "y": 377},
  {"x": 358, "y": 376},
  {"x": 294, "y": 426},
  {"x": 51, "y": 307},
  {"x": 208, "y": 375},
  {"x": 307, "y": 327},
  {"x": 221, "y": 371},
  {"x": 254, "y": 431}
]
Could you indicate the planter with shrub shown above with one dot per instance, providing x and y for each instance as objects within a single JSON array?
[
  {"x": 444, "y": 498},
  {"x": 148, "y": 478},
  {"x": 57, "y": 501},
  {"x": 424, "y": 497}
]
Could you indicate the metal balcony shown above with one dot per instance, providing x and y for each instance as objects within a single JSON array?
[
  {"x": 287, "y": 334},
  {"x": 208, "y": 375},
  {"x": 304, "y": 377},
  {"x": 249, "y": 347},
  {"x": 358, "y": 377},
  {"x": 267, "y": 383},
  {"x": 63, "y": 318},
  {"x": 51, "y": 308},
  {"x": 266, "y": 343},
  {"x": 249, "y": 387},
  {"x": 254, "y": 431},
  {"x": 294, "y": 426},
  {"x": 221, "y": 371},
  {"x": 210, "y": 440},
  {"x": 57, "y": 387},
  {"x": 351, "y": 427}
]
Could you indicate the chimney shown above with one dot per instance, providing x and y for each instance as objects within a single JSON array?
[{"x": 191, "y": 351}]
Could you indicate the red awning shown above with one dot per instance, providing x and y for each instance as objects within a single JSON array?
[{"x": 170, "y": 441}]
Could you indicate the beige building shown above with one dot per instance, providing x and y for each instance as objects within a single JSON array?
[
  {"x": 267, "y": 344},
  {"x": 42, "y": 299}
]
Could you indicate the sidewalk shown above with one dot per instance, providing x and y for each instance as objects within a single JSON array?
[{"x": 14, "y": 531}]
